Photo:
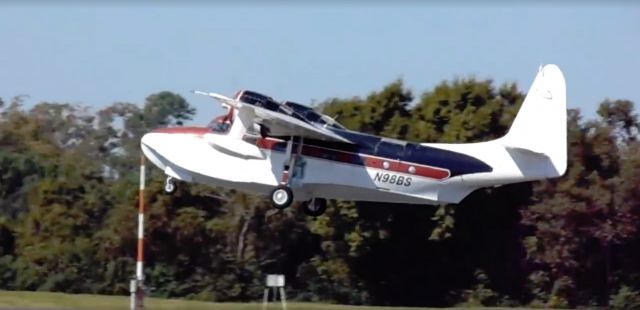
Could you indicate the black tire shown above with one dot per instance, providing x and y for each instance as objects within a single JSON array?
[
  {"x": 281, "y": 197},
  {"x": 315, "y": 207},
  {"x": 170, "y": 186}
]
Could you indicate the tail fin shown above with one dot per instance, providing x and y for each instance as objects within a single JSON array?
[{"x": 541, "y": 124}]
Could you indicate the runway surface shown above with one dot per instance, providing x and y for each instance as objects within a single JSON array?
[{"x": 5, "y": 308}]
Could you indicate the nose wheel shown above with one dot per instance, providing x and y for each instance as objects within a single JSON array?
[
  {"x": 314, "y": 207},
  {"x": 281, "y": 197},
  {"x": 170, "y": 186}
]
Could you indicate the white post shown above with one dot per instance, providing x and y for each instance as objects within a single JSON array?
[
  {"x": 139, "y": 263},
  {"x": 265, "y": 298},
  {"x": 137, "y": 285},
  {"x": 132, "y": 288},
  {"x": 283, "y": 298}
]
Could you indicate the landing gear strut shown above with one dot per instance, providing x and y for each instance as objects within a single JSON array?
[
  {"x": 170, "y": 186},
  {"x": 314, "y": 207},
  {"x": 264, "y": 131},
  {"x": 282, "y": 195}
]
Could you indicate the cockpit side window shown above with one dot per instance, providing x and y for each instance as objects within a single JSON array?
[
  {"x": 259, "y": 100},
  {"x": 219, "y": 127},
  {"x": 314, "y": 117}
]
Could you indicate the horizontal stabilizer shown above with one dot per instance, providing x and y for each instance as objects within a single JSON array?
[{"x": 525, "y": 150}]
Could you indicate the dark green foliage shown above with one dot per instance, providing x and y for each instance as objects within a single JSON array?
[{"x": 68, "y": 201}]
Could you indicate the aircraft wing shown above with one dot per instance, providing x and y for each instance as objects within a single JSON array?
[{"x": 279, "y": 120}]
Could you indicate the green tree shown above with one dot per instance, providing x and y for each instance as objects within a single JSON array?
[{"x": 581, "y": 218}]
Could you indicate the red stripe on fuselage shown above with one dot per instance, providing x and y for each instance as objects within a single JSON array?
[
  {"x": 361, "y": 159},
  {"x": 431, "y": 172},
  {"x": 199, "y": 131}
]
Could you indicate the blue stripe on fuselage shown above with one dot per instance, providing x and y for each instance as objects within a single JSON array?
[{"x": 456, "y": 163}]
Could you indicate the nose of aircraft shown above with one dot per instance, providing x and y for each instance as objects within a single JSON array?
[
  {"x": 148, "y": 139},
  {"x": 150, "y": 144},
  {"x": 160, "y": 143}
]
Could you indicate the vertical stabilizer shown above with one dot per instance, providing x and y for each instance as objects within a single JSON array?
[{"x": 541, "y": 124}]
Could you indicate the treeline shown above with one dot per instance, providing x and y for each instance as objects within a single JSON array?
[{"x": 68, "y": 197}]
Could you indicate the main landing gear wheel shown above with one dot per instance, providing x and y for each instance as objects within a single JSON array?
[
  {"x": 281, "y": 197},
  {"x": 315, "y": 207},
  {"x": 170, "y": 186}
]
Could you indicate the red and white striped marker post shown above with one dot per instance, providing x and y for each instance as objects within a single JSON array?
[{"x": 137, "y": 285}]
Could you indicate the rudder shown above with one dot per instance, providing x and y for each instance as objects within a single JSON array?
[{"x": 541, "y": 124}]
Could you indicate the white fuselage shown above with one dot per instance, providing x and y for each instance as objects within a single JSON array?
[
  {"x": 355, "y": 166},
  {"x": 194, "y": 157}
]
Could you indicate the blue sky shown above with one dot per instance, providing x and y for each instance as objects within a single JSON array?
[{"x": 96, "y": 55}]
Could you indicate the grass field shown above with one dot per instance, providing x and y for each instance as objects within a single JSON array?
[{"x": 43, "y": 300}]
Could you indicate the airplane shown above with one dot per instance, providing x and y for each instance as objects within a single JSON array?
[{"x": 293, "y": 153}]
